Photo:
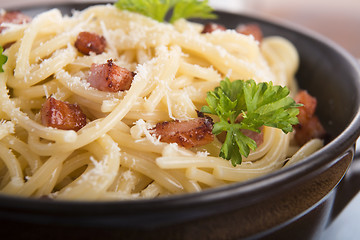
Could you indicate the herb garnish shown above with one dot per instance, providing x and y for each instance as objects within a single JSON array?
[
  {"x": 3, "y": 59},
  {"x": 158, "y": 9},
  {"x": 255, "y": 105}
]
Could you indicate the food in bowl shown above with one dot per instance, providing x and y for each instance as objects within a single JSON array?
[{"x": 110, "y": 104}]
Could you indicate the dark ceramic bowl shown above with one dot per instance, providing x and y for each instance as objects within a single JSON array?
[{"x": 294, "y": 203}]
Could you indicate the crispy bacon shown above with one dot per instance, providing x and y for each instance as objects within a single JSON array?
[
  {"x": 87, "y": 42},
  {"x": 188, "y": 134},
  {"x": 110, "y": 78},
  {"x": 251, "y": 29},
  {"x": 309, "y": 102},
  {"x": 62, "y": 115},
  {"x": 211, "y": 27},
  {"x": 310, "y": 130},
  {"x": 14, "y": 17},
  {"x": 309, "y": 126}
]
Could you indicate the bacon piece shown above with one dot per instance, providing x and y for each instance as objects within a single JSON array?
[
  {"x": 109, "y": 77},
  {"x": 14, "y": 17},
  {"x": 309, "y": 126},
  {"x": 211, "y": 27},
  {"x": 62, "y": 115},
  {"x": 257, "y": 137},
  {"x": 247, "y": 29},
  {"x": 87, "y": 42},
  {"x": 309, "y": 102},
  {"x": 310, "y": 130},
  {"x": 188, "y": 134},
  {"x": 251, "y": 29}
]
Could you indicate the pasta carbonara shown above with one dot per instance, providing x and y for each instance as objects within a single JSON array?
[{"x": 114, "y": 154}]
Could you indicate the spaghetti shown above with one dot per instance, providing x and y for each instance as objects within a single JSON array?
[{"x": 114, "y": 156}]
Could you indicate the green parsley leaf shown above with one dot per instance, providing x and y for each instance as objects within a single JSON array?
[
  {"x": 159, "y": 9},
  {"x": 192, "y": 9},
  {"x": 261, "y": 104},
  {"x": 3, "y": 59}
]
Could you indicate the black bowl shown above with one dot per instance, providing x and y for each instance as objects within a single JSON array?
[{"x": 297, "y": 202}]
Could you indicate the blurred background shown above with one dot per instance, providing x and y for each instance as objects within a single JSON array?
[{"x": 338, "y": 20}]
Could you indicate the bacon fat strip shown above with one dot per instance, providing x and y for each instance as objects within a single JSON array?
[
  {"x": 62, "y": 115},
  {"x": 87, "y": 42},
  {"x": 309, "y": 126},
  {"x": 191, "y": 133},
  {"x": 14, "y": 17},
  {"x": 109, "y": 77}
]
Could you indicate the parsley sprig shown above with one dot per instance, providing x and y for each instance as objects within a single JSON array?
[
  {"x": 255, "y": 105},
  {"x": 3, "y": 59},
  {"x": 158, "y": 9}
]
